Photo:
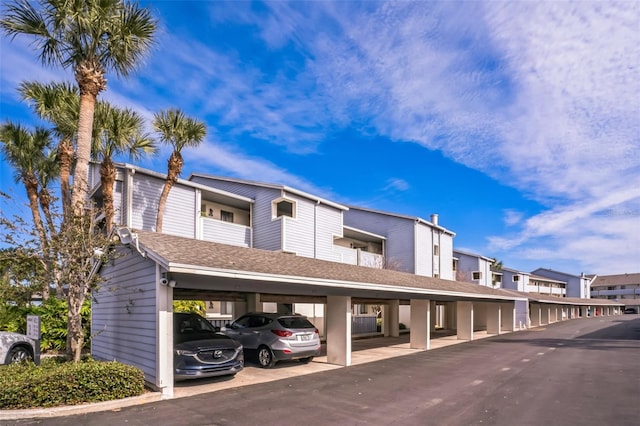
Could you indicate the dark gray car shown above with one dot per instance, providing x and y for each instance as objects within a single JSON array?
[
  {"x": 275, "y": 337},
  {"x": 200, "y": 351}
]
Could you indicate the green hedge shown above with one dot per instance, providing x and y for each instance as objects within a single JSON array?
[{"x": 56, "y": 383}]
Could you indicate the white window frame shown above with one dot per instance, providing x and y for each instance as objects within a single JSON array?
[
  {"x": 274, "y": 207},
  {"x": 479, "y": 275}
]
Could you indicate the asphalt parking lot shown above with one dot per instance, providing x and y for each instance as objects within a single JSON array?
[{"x": 583, "y": 371}]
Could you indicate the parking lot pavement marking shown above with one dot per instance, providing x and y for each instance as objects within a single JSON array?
[
  {"x": 526, "y": 360},
  {"x": 476, "y": 382},
  {"x": 505, "y": 369},
  {"x": 540, "y": 353}
]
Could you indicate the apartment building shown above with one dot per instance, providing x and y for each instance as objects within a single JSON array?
[{"x": 624, "y": 288}]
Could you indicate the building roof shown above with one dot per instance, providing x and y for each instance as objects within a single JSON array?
[
  {"x": 533, "y": 277},
  {"x": 539, "y": 270},
  {"x": 403, "y": 216},
  {"x": 272, "y": 186},
  {"x": 613, "y": 280},
  {"x": 189, "y": 256},
  {"x": 478, "y": 256},
  {"x": 545, "y": 298}
]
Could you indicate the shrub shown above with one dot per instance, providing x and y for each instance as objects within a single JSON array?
[
  {"x": 402, "y": 326},
  {"x": 56, "y": 383}
]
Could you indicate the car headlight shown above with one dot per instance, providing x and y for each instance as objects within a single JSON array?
[{"x": 185, "y": 352}]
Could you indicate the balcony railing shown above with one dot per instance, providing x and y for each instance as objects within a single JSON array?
[{"x": 225, "y": 232}]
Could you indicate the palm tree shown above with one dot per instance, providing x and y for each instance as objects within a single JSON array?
[
  {"x": 58, "y": 103},
  {"x": 179, "y": 131},
  {"x": 91, "y": 37},
  {"x": 116, "y": 131},
  {"x": 24, "y": 150}
]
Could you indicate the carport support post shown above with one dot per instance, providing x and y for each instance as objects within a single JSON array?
[
  {"x": 420, "y": 328},
  {"x": 465, "y": 320},
  {"x": 494, "y": 318},
  {"x": 164, "y": 357},
  {"x": 508, "y": 316},
  {"x": 391, "y": 318},
  {"x": 339, "y": 330}
]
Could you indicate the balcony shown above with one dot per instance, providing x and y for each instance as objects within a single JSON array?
[{"x": 225, "y": 232}]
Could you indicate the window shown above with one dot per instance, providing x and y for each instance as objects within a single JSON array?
[
  {"x": 436, "y": 250},
  {"x": 284, "y": 208},
  {"x": 455, "y": 265},
  {"x": 436, "y": 275},
  {"x": 226, "y": 216},
  {"x": 476, "y": 275},
  {"x": 515, "y": 278}
]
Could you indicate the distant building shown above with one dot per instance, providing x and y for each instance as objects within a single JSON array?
[
  {"x": 576, "y": 285},
  {"x": 624, "y": 288}
]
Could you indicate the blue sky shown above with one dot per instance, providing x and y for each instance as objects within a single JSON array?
[{"x": 517, "y": 122}]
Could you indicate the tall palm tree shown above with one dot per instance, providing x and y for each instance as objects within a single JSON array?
[
  {"x": 24, "y": 150},
  {"x": 175, "y": 129},
  {"x": 58, "y": 103},
  {"x": 91, "y": 37},
  {"x": 117, "y": 131}
]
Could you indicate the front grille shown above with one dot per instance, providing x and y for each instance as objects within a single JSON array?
[{"x": 216, "y": 356}]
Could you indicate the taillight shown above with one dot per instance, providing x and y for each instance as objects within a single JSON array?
[
  {"x": 282, "y": 333},
  {"x": 317, "y": 332}
]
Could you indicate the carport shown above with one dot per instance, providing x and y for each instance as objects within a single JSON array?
[{"x": 132, "y": 310}]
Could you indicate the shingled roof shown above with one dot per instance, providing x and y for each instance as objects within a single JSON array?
[{"x": 174, "y": 252}]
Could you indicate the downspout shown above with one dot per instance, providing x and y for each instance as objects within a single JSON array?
[
  {"x": 315, "y": 229},
  {"x": 129, "y": 200}
]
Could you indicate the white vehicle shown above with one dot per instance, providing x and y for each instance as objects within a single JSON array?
[{"x": 15, "y": 347}]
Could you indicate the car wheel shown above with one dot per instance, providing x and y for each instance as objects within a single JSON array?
[
  {"x": 306, "y": 360},
  {"x": 19, "y": 354},
  {"x": 265, "y": 357}
]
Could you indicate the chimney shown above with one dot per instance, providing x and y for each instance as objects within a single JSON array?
[{"x": 434, "y": 219}]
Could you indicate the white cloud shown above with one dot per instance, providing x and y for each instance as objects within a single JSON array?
[{"x": 396, "y": 184}]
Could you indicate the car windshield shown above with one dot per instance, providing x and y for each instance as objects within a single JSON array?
[
  {"x": 192, "y": 324},
  {"x": 295, "y": 322}
]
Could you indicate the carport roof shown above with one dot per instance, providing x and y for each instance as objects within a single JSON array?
[
  {"x": 545, "y": 298},
  {"x": 198, "y": 257}
]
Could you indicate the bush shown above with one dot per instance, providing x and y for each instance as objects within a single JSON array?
[
  {"x": 56, "y": 383},
  {"x": 402, "y": 326}
]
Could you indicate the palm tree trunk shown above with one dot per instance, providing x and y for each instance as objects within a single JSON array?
[
  {"x": 83, "y": 151},
  {"x": 108, "y": 177},
  {"x": 174, "y": 168},
  {"x": 31, "y": 185},
  {"x": 65, "y": 156}
]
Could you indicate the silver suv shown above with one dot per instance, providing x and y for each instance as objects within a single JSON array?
[{"x": 275, "y": 337}]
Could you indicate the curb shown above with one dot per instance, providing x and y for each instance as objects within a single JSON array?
[{"x": 70, "y": 410}]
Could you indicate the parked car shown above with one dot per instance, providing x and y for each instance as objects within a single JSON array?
[
  {"x": 275, "y": 337},
  {"x": 200, "y": 351},
  {"x": 630, "y": 311},
  {"x": 15, "y": 347}
]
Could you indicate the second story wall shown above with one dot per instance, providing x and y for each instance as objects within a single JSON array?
[
  {"x": 399, "y": 231},
  {"x": 180, "y": 211}
]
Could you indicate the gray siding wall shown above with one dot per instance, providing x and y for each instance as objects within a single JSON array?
[
  {"x": 310, "y": 233},
  {"x": 398, "y": 231},
  {"x": 267, "y": 231},
  {"x": 446, "y": 256},
  {"x": 424, "y": 251},
  {"x": 328, "y": 226},
  {"x": 123, "y": 314},
  {"x": 299, "y": 234},
  {"x": 180, "y": 212},
  {"x": 466, "y": 266}
]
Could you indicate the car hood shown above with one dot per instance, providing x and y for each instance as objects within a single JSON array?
[{"x": 218, "y": 342}]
